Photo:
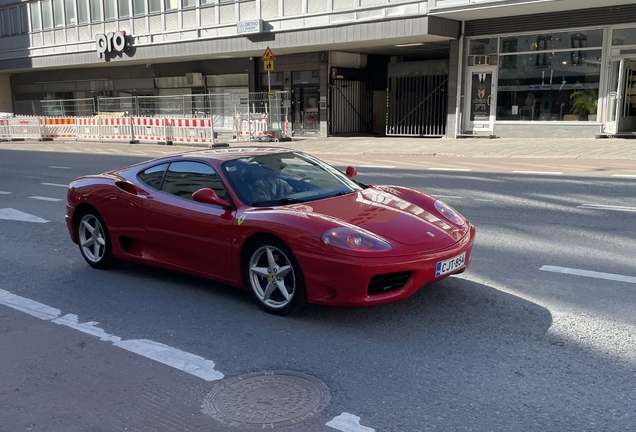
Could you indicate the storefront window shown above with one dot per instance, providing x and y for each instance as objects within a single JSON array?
[
  {"x": 624, "y": 36},
  {"x": 552, "y": 41},
  {"x": 276, "y": 81},
  {"x": 483, "y": 46},
  {"x": 549, "y": 86}
]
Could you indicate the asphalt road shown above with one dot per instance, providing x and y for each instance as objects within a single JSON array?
[{"x": 503, "y": 347}]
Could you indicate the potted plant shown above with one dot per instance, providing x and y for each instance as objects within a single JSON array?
[{"x": 585, "y": 103}]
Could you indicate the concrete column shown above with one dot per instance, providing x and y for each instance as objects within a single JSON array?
[
  {"x": 6, "y": 99},
  {"x": 453, "y": 82}
]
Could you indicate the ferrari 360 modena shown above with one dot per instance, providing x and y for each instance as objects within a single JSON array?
[{"x": 281, "y": 223}]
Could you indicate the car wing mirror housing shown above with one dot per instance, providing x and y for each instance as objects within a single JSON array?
[
  {"x": 208, "y": 196},
  {"x": 351, "y": 172}
]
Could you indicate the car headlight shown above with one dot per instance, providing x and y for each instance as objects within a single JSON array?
[
  {"x": 351, "y": 239},
  {"x": 449, "y": 213}
]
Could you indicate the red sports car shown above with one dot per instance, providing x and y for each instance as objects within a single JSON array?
[{"x": 287, "y": 226}]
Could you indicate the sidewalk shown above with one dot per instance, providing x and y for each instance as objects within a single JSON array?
[
  {"x": 539, "y": 148},
  {"x": 528, "y": 148}
]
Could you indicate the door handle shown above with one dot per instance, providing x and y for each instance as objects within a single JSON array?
[{"x": 489, "y": 99}]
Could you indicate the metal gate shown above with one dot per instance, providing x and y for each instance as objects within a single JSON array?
[
  {"x": 351, "y": 107},
  {"x": 417, "y": 105}
]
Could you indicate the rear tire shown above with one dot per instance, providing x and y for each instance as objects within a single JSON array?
[
  {"x": 274, "y": 277},
  {"x": 94, "y": 241}
]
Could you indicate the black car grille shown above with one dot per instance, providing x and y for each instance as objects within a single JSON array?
[{"x": 387, "y": 282}]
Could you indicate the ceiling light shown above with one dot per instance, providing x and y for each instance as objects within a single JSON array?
[{"x": 409, "y": 44}]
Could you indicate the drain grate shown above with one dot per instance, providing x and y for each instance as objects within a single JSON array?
[{"x": 267, "y": 399}]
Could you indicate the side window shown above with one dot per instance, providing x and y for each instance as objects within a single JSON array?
[
  {"x": 185, "y": 178},
  {"x": 153, "y": 176}
]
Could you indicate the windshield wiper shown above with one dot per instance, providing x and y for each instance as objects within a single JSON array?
[{"x": 281, "y": 201}]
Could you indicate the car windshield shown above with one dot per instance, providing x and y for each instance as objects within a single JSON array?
[{"x": 285, "y": 178}]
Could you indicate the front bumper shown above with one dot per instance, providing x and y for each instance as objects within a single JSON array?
[{"x": 344, "y": 281}]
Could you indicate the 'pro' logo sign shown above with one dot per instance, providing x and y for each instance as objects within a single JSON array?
[{"x": 110, "y": 42}]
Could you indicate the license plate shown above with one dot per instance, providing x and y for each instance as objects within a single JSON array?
[{"x": 450, "y": 265}]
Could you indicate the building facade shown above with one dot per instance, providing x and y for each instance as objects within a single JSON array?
[{"x": 437, "y": 68}]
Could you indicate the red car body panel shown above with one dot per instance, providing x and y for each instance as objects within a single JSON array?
[{"x": 164, "y": 230}]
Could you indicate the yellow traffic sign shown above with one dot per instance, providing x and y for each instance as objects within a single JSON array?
[
  {"x": 268, "y": 55},
  {"x": 271, "y": 95},
  {"x": 268, "y": 65}
]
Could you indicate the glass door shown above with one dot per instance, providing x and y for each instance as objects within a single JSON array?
[
  {"x": 481, "y": 103},
  {"x": 614, "y": 96},
  {"x": 306, "y": 109}
]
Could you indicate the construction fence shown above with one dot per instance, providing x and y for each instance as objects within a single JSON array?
[{"x": 213, "y": 118}]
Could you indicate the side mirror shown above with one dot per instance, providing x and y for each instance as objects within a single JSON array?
[
  {"x": 351, "y": 172},
  {"x": 208, "y": 196}
]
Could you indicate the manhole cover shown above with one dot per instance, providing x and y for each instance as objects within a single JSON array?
[{"x": 267, "y": 399}]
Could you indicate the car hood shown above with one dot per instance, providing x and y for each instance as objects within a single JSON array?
[{"x": 390, "y": 217}]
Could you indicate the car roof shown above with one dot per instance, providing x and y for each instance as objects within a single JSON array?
[{"x": 230, "y": 153}]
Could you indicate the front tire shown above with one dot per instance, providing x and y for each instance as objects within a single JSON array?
[
  {"x": 94, "y": 241},
  {"x": 274, "y": 277}
]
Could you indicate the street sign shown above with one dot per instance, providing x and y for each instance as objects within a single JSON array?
[
  {"x": 268, "y": 65},
  {"x": 268, "y": 55},
  {"x": 271, "y": 95}
]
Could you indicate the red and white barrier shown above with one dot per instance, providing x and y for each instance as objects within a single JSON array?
[
  {"x": 26, "y": 128},
  {"x": 249, "y": 129},
  {"x": 5, "y": 131},
  {"x": 115, "y": 129},
  {"x": 153, "y": 129},
  {"x": 59, "y": 128},
  {"x": 88, "y": 128},
  {"x": 192, "y": 131}
]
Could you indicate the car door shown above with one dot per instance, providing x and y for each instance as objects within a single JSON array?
[{"x": 187, "y": 233}]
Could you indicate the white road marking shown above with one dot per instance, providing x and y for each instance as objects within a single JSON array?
[
  {"x": 376, "y": 166},
  {"x": 346, "y": 422},
  {"x": 481, "y": 199},
  {"x": 606, "y": 207},
  {"x": 190, "y": 363},
  {"x": 55, "y": 184},
  {"x": 624, "y": 175},
  {"x": 450, "y": 169},
  {"x": 538, "y": 172},
  {"x": 17, "y": 215},
  {"x": 41, "y": 198},
  {"x": 184, "y": 361},
  {"x": 448, "y": 196},
  {"x": 28, "y": 306},
  {"x": 5, "y": 193},
  {"x": 590, "y": 274},
  {"x": 60, "y": 167}
]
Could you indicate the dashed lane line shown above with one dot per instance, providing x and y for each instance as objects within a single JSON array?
[
  {"x": 17, "y": 215},
  {"x": 450, "y": 169},
  {"x": 60, "y": 167},
  {"x": 538, "y": 172},
  {"x": 590, "y": 274},
  {"x": 625, "y": 175},
  {"x": 376, "y": 166},
  {"x": 41, "y": 198},
  {"x": 5, "y": 193},
  {"x": 607, "y": 207},
  {"x": 55, "y": 184}
]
